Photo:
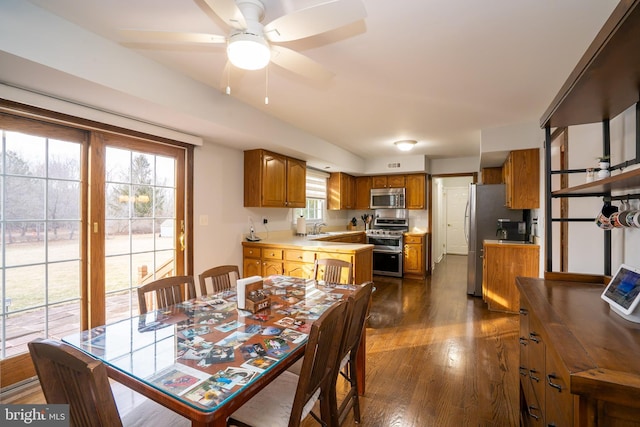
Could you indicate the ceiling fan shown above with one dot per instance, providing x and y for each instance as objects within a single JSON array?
[{"x": 252, "y": 45}]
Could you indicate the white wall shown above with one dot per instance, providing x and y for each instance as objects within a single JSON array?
[{"x": 454, "y": 165}]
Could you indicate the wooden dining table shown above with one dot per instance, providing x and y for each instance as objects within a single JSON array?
[{"x": 205, "y": 358}]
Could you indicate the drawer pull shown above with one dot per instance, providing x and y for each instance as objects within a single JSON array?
[
  {"x": 531, "y": 414},
  {"x": 532, "y": 376},
  {"x": 552, "y": 384},
  {"x": 534, "y": 337}
]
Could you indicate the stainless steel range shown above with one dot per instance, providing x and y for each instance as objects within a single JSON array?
[{"x": 387, "y": 238}]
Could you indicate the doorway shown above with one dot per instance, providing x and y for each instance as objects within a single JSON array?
[{"x": 449, "y": 199}]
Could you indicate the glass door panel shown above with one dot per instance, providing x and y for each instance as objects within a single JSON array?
[
  {"x": 40, "y": 188},
  {"x": 140, "y": 225}
]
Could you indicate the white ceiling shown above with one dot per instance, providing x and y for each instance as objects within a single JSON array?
[{"x": 438, "y": 71}]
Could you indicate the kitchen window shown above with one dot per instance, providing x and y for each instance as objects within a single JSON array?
[{"x": 316, "y": 187}]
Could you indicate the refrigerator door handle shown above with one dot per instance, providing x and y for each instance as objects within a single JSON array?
[{"x": 467, "y": 222}]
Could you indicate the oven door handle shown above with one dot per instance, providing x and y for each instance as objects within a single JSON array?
[{"x": 383, "y": 251}]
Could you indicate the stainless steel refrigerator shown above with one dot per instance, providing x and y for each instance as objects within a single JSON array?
[{"x": 485, "y": 206}]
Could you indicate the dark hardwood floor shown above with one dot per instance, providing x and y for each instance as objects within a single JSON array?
[
  {"x": 438, "y": 357},
  {"x": 435, "y": 356}
]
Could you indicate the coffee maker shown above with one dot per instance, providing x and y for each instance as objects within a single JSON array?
[{"x": 511, "y": 230}]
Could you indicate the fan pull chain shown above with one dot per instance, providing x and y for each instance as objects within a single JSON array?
[
  {"x": 266, "y": 85},
  {"x": 228, "y": 90}
]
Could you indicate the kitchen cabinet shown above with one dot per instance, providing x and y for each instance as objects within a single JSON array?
[
  {"x": 414, "y": 262},
  {"x": 264, "y": 259},
  {"x": 579, "y": 361},
  {"x": 416, "y": 196},
  {"x": 521, "y": 175},
  {"x": 502, "y": 263},
  {"x": 363, "y": 192},
  {"x": 387, "y": 181},
  {"x": 492, "y": 175},
  {"x": 273, "y": 180},
  {"x": 603, "y": 84},
  {"x": 341, "y": 191}
]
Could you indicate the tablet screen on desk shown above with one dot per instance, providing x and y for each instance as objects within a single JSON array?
[{"x": 623, "y": 292}]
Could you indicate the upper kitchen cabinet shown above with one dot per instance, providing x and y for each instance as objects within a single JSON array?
[
  {"x": 415, "y": 197},
  {"x": 388, "y": 181},
  {"x": 363, "y": 192},
  {"x": 341, "y": 191},
  {"x": 273, "y": 180},
  {"x": 521, "y": 175}
]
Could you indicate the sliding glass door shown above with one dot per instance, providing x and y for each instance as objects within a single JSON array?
[{"x": 85, "y": 218}]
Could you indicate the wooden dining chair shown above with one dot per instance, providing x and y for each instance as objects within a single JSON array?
[
  {"x": 359, "y": 304},
  {"x": 69, "y": 376},
  {"x": 168, "y": 291},
  {"x": 331, "y": 270},
  {"x": 221, "y": 278},
  {"x": 288, "y": 399}
]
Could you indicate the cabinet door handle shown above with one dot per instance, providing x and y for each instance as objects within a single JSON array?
[
  {"x": 552, "y": 384},
  {"x": 524, "y": 311},
  {"x": 532, "y": 376},
  {"x": 523, "y": 341},
  {"x": 531, "y": 414},
  {"x": 534, "y": 337},
  {"x": 523, "y": 371}
]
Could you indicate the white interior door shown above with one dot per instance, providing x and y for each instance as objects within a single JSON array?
[{"x": 456, "y": 201}]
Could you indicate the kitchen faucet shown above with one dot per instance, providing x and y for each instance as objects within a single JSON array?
[{"x": 317, "y": 226}]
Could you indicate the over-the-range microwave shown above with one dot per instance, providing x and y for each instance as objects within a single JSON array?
[{"x": 387, "y": 198}]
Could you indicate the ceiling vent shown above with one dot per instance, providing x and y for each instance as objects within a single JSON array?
[{"x": 393, "y": 165}]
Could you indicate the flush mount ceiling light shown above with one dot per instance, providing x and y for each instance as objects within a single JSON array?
[
  {"x": 248, "y": 51},
  {"x": 405, "y": 144}
]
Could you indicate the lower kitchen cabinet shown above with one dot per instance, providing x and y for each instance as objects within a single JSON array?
[
  {"x": 579, "y": 362},
  {"x": 414, "y": 262},
  {"x": 264, "y": 259},
  {"x": 502, "y": 263}
]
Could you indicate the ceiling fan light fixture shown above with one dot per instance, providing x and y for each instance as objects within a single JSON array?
[
  {"x": 248, "y": 51},
  {"x": 405, "y": 144}
]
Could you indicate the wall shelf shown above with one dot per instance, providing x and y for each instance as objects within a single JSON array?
[
  {"x": 625, "y": 182},
  {"x": 603, "y": 84}
]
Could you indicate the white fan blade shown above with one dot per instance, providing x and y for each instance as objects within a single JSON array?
[
  {"x": 314, "y": 20},
  {"x": 229, "y": 12},
  {"x": 299, "y": 63},
  {"x": 172, "y": 37}
]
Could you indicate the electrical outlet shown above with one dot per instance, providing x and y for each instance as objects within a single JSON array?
[{"x": 265, "y": 220}]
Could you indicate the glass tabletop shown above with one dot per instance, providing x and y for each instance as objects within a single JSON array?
[{"x": 204, "y": 351}]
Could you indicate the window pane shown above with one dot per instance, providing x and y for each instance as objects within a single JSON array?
[
  {"x": 64, "y": 240},
  {"x": 117, "y": 274},
  {"x": 142, "y": 168},
  {"x": 25, "y": 154},
  {"x": 25, "y": 243},
  {"x": 117, "y": 200},
  {"x": 165, "y": 202},
  {"x": 165, "y": 172},
  {"x": 142, "y": 240},
  {"x": 24, "y": 198},
  {"x": 63, "y": 281},
  {"x": 25, "y": 286},
  {"x": 59, "y": 204},
  {"x": 118, "y": 165},
  {"x": 64, "y": 160}
]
